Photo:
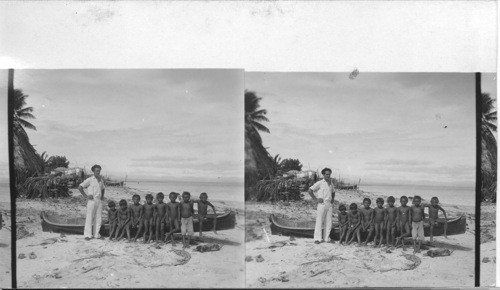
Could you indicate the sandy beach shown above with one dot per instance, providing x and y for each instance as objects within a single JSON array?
[
  {"x": 5, "y": 246},
  {"x": 488, "y": 245},
  {"x": 69, "y": 261},
  {"x": 278, "y": 261}
]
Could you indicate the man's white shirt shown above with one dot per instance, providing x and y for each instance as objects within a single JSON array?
[
  {"x": 94, "y": 187},
  {"x": 321, "y": 189}
]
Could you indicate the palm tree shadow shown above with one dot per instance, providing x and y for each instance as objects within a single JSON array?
[
  {"x": 446, "y": 245},
  {"x": 213, "y": 240}
]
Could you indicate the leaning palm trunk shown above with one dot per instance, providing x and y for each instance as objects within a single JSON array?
[
  {"x": 258, "y": 163},
  {"x": 27, "y": 163}
]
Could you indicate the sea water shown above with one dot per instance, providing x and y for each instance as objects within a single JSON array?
[
  {"x": 230, "y": 191},
  {"x": 453, "y": 195}
]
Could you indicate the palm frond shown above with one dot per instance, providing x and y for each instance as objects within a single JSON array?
[
  {"x": 259, "y": 118},
  {"x": 26, "y": 110},
  {"x": 26, "y": 124},
  {"x": 260, "y": 127}
]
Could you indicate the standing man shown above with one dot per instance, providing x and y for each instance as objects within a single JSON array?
[
  {"x": 325, "y": 192},
  {"x": 95, "y": 194}
]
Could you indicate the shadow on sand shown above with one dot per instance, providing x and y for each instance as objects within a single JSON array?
[
  {"x": 445, "y": 245},
  {"x": 216, "y": 241}
]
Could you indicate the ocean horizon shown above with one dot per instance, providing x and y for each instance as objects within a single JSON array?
[
  {"x": 232, "y": 191},
  {"x": 459, "y": 195}
]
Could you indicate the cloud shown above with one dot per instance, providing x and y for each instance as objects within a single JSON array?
[
  {"x": 164, "y": 159},
  {"x": 379, "y": 126},
  {"x": 456, "y": 171},
  {"x": 128, "y": 118},
  {"x": 398, "y": 162}
]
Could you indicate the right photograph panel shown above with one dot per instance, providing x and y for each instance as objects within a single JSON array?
[
  {"x": 488, "y": 106},
  {"x": 361, "y": 179}
]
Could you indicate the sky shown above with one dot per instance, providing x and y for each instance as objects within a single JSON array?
[
  {"x": 4, "y": 143},
  {"x": 144, "y": 124},
  {"x": 382, "y": 128}
]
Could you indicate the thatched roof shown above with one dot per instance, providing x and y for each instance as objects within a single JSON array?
[{"x": 27, "y": 162}]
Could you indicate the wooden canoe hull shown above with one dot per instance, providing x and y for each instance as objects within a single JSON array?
[
  {"x": 56, "y": 224},
  {"x": 284, "y": 227}
]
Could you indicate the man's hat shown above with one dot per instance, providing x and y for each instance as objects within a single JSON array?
[{"x": 326, "y": 169}]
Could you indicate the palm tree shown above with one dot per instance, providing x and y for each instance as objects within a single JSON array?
[
  {"x": 277, "y": 161},
  {"x": 45, "y": 158},
  {"x": 258, "y": 162},
  {"x": 27, "y": 161},
  {"x": 489, "y": 147},
  {"x": 21, "y": 113}
]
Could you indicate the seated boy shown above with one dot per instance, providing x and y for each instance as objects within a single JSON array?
[
  {"x": 123, "y": 220},
  {"x": 391, "y": 214},
  {"x": 379, "y": 221},
  {"x": 137, "y": 210},
  {"x": 434, "y": 209},
  {"x": 203, "y": 205},
  {"x": 148, "y": 218},
  {"x": 343, "y": 220},
  {"x": 174, "y": 216},
  {"x": 403, "y": 221},
  {"x": 367, "y": 219},
  {"x": 417, "y": 216},
  {"x": 354, "y": 219},
  {"x": 161, "y": 215},
  {"x": 112, "y": 218},
  {"x": 187, "y": 211}
]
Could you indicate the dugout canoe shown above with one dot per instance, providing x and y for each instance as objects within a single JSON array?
[
  {"x": 305, "y": 229},
  {"x": 59, "y": 224}
]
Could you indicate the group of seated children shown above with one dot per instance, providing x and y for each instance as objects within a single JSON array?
[
  {"x": 390, "y": 219},
  {"x": 154, "y": 218}
]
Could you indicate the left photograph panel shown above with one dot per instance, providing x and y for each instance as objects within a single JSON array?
[
  {"x": 127, "y": 178},
  {"x": 5, "y": 200}
]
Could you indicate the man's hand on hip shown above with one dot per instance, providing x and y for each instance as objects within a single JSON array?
[
  {"x": 320, "y": 200},
  {"x": 91, "y": 197}
]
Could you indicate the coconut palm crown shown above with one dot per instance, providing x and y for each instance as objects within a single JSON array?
[
  {"x": 21, "y": 113},
  {"x": 253, "y": 115}
]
